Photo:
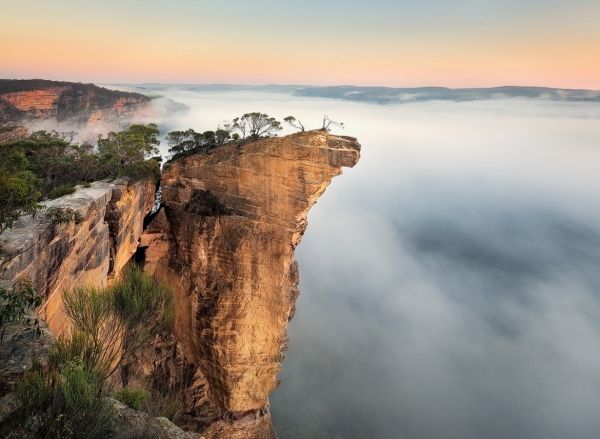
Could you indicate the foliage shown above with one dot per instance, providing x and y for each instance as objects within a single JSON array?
[
  {"x": 134, "y": 145},
  {"x": 291, "y": 120},
  {"x": 64, "y": 401},
  {"x": 19, "y": 194},
  {"x": 135, "y": 398},
  {"x": 97, "y": 333},
  {"x": 189, "y": 141},
  {"x": 15, "y": 304},
  {"x": 61, "y": 190},
  {"x": 49, "y": 164},
  {"x": 257, "y": 125},
  {"x": 166, "y": 403},
  {"x": 221, "y": 136},
  {"x": 111, "y": 324},
  {"x": 328, "y": 123},
  {"x": 139, "y": 299},
  {"x": 63, "y": 215}
]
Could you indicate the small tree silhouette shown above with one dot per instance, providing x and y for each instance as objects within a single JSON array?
[{"x": 328, "y": 123}]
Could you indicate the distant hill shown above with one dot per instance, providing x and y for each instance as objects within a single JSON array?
[
  {"x": 39, "y": 99},
  {"x": 385, "y": 95}
]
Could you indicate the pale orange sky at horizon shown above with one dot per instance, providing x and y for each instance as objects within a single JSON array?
[{"x": 138, "y": 42}]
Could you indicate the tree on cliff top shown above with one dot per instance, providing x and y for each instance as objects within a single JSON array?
[
  {"x": 183, "y": 141},
  {"x": 19, "y": 187},
  {"x": 328, "y": 123},
  {"x": 257, "y": 125},
  {"x": 126, "y": 149},
  {"x": 291, "y": 120},
  {"x": 190, "y": 141}
]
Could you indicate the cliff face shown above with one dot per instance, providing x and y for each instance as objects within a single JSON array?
[
  {"x": 26, "y": 100},
  {"x": 225, "y": 241},
  {"x": 58, "y": 257}
]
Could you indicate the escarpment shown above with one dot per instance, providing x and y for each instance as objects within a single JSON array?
[
  {"x": 85, "y": 251},
  {"x": 225, "y": 240},
  {"x": 22, "y": 101}
]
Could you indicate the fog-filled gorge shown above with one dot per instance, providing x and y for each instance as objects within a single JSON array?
[{"x": 449, "y": 283}]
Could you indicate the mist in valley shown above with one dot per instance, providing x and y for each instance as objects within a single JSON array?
[{"x": 450, "y": 283}]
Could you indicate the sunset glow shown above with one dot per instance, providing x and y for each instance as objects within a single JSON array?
[{"x": 396, "y": 43}]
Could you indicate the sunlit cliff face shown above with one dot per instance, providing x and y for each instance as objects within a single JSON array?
[{"x": 449, "y": 283}]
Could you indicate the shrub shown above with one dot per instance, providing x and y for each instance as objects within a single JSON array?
[
  {"x": 63, "y": 402},
  {"x": 166, "y": 403},
  {"x": 61, "y": 190},
  {"x": 15, "y": 304},
  {"x": 135, "y": 398},
  {"x": 111, "y": 324},
  {"x": 141, "y": 170},
  {"x": 96, "y": 338},
  {"x": 19, "y": 194},
  {"x": 63, "y": 215},
  {"x": 139, "y": 299}
]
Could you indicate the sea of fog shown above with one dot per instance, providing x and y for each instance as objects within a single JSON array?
[{"x": 450, "y": 282}]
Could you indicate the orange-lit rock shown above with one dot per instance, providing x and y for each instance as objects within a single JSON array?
[
  {"x": 75, "y": 103},
  {"x": 37, "y": 102},
  {"x": 225, "y": 241},
  {"x": 60, "y": 257}
]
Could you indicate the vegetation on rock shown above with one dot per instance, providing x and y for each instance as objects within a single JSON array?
[
  {"x": 49, "y": 164},
  {"x": 134, "y": 397},
  {"x": 63, "y": 400},
  {"x": 111, "y": 324},
  {"x": 66, "y": 396},
  {"x": 17, "y": 304}
]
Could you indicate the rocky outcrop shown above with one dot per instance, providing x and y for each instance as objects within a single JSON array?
[
  {"x": 80, "y": 104},
  {"x": 20, "y": 345},
  {"x": 130, "y": 423},
  {"x": 225, "y": 240},
  {"x": 84, "y": 252}
]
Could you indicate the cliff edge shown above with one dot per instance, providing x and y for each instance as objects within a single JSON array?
[
  {"x": 27, "y": 100},
  {"x": 225, "y": 240}
]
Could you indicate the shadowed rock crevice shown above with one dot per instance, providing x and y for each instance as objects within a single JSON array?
[{"x": 205, "y": 203}]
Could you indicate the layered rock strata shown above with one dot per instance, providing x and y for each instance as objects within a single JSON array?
[
  {"x": 75, "y": 103},
  {"x": 225, "y": 240},
  {"x": 85, "y": 252}
]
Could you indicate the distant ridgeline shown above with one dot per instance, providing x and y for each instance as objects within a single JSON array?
[
  {"x": 385, "y": 95},
  {"x": 37, "y": 99}
]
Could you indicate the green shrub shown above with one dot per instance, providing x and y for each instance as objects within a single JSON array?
[
  {"x": 166, "y": 403},
  {"x": 81, "y": 349},
  {"x": 135, "y": 398},
  {"x": 96, "y": 337},
  {"x": 49, "y": 164},
  {"x": 62, "y": 402},
  {"x": 143, "y": 169},
  {"x": 63, "y": 215},
  {"x": 139, "y": 299},
  {"x": 111, "y": 324},
  {"x": 16, "y": 304},
  {"x": 19, "y": 192},
  {"x": 61, "y": 190}
]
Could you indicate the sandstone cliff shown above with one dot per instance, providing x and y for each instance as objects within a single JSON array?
[
  {"x": 225, "y": 240},
  {"x": 80, "y": 104},
  {"x": 58, "y": 257}
]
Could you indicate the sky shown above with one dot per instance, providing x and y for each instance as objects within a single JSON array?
[{"x": 457, "y": 43}]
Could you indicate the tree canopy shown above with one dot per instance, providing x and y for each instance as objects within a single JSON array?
[
  {"x": 36, "y": 167},
  {"x": 257, "y": 125}
]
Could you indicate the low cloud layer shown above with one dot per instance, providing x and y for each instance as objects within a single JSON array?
[{"x": 449, "y": 283}]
